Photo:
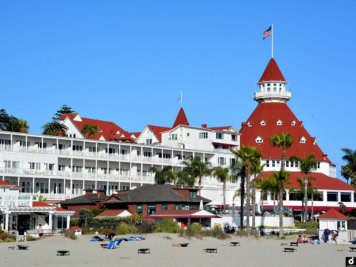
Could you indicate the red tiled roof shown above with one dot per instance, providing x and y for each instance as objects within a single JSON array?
[
  {"x": 333, "y": 214},
  {"x": 321, "y": 181},
  {"x": 2, "y": 183},
  {"x": 136, "y": 134},
  {"x": 41, "y": 204},
  {"x": 181, "y": 119},
  {"x": 271, "y": 113},
  {"x": 108, "y": 128},
  {"x": 272, "y": 72},
  {"x": 61, "y": 209},
  {"x": 157, "y": 130},
  {"x": 110, "y": 213},
  {"x": 75, "y": 228}
]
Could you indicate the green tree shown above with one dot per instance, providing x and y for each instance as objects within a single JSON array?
[
  {"x": 269, "y": 185},
  {"x": 5, "y": 119},
  {"x": 164, "y": 176},
  {"x": 90, "y": 130},
  {"x": 282, "y": 180},
  {"x": 55, "y": 128},
  {"x": 85, "y": 217},
  {"x": 63, "y": 110},
  {"x": 284, "y": 141},
  {"x": 185, "y": 178},
  {"x": 17, "y": 125},
  {"x": 348, "y": 171},
  {"x": 257, "y": 171},
  {"x": 197, "y": 169},
  {"x": 248, "y": 156},
  {"x": 223, "y": 176},
  {"x": 306, "y": 165},
  {"x": 239, "y": 172}
]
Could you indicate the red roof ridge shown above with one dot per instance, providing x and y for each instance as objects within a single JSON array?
[
  {"x": 181, "y": 119},
  {"x": 272, "y": 72},
  {"x": 333, "y": 214}
]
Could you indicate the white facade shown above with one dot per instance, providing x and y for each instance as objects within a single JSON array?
[{"x": 61, "y": 167}]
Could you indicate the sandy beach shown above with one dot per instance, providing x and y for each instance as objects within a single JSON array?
[{"x": 261, "y": 252}]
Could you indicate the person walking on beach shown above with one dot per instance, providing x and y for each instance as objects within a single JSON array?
[{"x": 40, "y": 230}]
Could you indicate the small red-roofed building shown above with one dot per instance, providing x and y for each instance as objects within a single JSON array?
[{"x": 334, "y": 221}]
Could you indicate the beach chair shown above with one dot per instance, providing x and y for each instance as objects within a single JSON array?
[
  {"x": 111, "y": 245},
  {"x": 21, "y": 247},
  {"x": 144, "y": 251},
  {"x": 63, "y": 252},
  {"x": 183, "y": 245}
]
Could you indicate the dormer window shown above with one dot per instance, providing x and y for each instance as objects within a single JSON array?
[
  {"x": 259, "y": 140},
  {"x": 279, "y": 122},
  {"x": 249, "y": 124},
  {"x": 263, "y": 123},
  {"x": 302, "y": 140},
  {"x": 293, "y": 123},
  {"x": 118, "y": 132},
  {"x": 100, "y": 130}
]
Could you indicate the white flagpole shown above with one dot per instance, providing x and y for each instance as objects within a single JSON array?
[
  {"x": 181, "y": 98},
  {"x": 272, "y": 39}
]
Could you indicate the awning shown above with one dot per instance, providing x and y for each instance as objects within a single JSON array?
[{"x": 223, "y": 144}]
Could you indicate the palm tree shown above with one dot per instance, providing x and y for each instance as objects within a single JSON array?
[
  {"x": 239, "y": 171},
  {"x": 90, "y": 130},
  {"x": 348, "y": 171},
  {"x": 306, "y": 165},
  {"x": 164, "y": 176},
  {"x": 282, "y": 180},
  {"x": 197, "y": 169},
  {"x": 284, "y": 141},
  {"x": 312, "y": 190},
  {"x": 257, "y": 170},
  {"x": 270, "y": 185},
  {"x": 184, "y": 178},
  {"x": 223, "y": 176},
  {"x": 55, "y": 128},
  {"x": 17, "y": 125},
  {"x": 248, "y": 156}
]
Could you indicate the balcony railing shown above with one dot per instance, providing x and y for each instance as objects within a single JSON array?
[{"x": 9, "y": 201}]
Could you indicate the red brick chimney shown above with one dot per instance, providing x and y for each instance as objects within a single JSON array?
[
  {"x": 204, "y": 126},
  {"x": 88, "y": 191}
]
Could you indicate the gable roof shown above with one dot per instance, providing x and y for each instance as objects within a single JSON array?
[
  {"x": 182, "y": 214},
  {"x": 271, "y": 113},
  {"x": 333, "y": 214},
  {"x": 321, "y": 181},
  {"x": 108, "y": 129},
  {"x": 181, "y": 119},
  {"x": 272, "y": 72},
  {"x": 85, "y": 199},
  {"x": 156, "y": 193},
  {"x": 158, "y": 130}
]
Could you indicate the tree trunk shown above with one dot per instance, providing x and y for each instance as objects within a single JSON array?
[
  {"x": 281, "y": 212},
  {"x": 305, "y": 197},
  {"x": 242, "y": 195},
  {"x": 274, "y": 203},
  {"x": 224, "y": 195},
  {"x": 302, "y": 213},
  {"x": 248, "y": 197},
  {"x": 200, "y": 186},
  {"x": 254, "y": 205},
  {"x": 312, "y": 207},
  {"x": 261, "y": 200}
]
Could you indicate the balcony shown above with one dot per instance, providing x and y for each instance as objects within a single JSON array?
[
  {"x": 277, "y": 95},
  {"x": 9, "y": 201}
]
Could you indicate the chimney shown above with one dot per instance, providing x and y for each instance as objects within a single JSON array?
[
  {"x": 100, "y": 192},
  {"x": 204, "y": 126},
  {"x": 88, "y": 191}
]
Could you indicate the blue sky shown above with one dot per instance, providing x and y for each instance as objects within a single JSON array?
[{"x": 126, "y": 61}]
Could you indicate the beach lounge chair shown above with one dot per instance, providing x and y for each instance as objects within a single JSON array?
[
  {"x": 234, "y": 244},
  {"x": 63, "y": 252},
  {"x": 211, "y": 250},
  {"x": 290, "y": 249},
  {"x": 144, "y": 251},
  {"x": 183, "y": 245},
  {"x": 21, "y": 247},
  {"x": 294, "y": 244},
  {"x": 111, "y": 245}
]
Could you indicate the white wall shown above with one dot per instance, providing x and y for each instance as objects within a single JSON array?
[{"x": 260, "y": 221}]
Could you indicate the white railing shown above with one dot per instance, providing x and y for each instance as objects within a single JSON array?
[
  {"x": 15, "y": 201},
  {"x": 287, "y": 94}
]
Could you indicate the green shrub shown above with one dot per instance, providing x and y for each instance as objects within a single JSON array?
[
  {"x": 169, "y": 226},
  {"x": 147, "y": 226},
  {"x": 74, "y": 222},
  {"x": 30, "y": 238},
  {"x": 88, "y": 231},
  {"x": 124, "y": 229},
  {"x": 307, "y": 225}
]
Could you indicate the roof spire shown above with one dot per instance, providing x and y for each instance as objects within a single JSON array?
[{"x": 181, "y": 119}]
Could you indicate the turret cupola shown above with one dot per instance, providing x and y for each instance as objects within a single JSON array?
[{"x": 272, "y": 85}]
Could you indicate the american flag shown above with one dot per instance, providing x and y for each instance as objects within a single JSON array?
[{"x": 267, "y": 33}]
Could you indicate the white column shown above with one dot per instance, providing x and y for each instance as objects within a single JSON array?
[
  {"x": 68, "y": 221},
  {"x": 6, "y": 222},
  {"x": 50, "y": 223},
  {"x": 33, "y": 185}
]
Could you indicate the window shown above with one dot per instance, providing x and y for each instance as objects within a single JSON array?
[
  {"x": 219, "y": 135},
  {"x": 232, "y": 161},
  {"x": 296, "y": 164},
  {"x": 318, "y": 164},
  {"x": 318, "y": 197},
  {"x": 268, "y": 89},
  {"x": 264, "y": 195},
  {"x": 263, "y": 123},
  {"x": 192, "y": 194},
  {"x": 164, "y": 207},
  {"x": 174, "y": 137},
  {"x": 287, "y": 163},
  {"x": 273, "y": 163},
  {"x": 221, "y": 161},
  {"x": 177, "y": 207},
  {"x": 345, "y": 197},
  {"x": 302, "y": 140},
  {"x": 249, "y": 124},
  {"x": 267, "y": 163},
  {"x": 274, "y": 89},
  {"x": 233, "y": 137},
  {"x": 72, "y": 135},
  {"x": 293, "y": 123},
  {"x": 139, "y": 209},
  {"x": 279, "y": 122},
  {"x": 7, "y": 163},
  {"x": 292, "y": 164},
  {"x": 203, "y": 135},
  {"x": 147, "y": 154},
  {"x": 151, "y": 209},
  {"x": 259, "y": 140},
  {"x": 332, "y": 196},
  {"x": 295, "y": 197},
  {"x": 148, "y": 141}
]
